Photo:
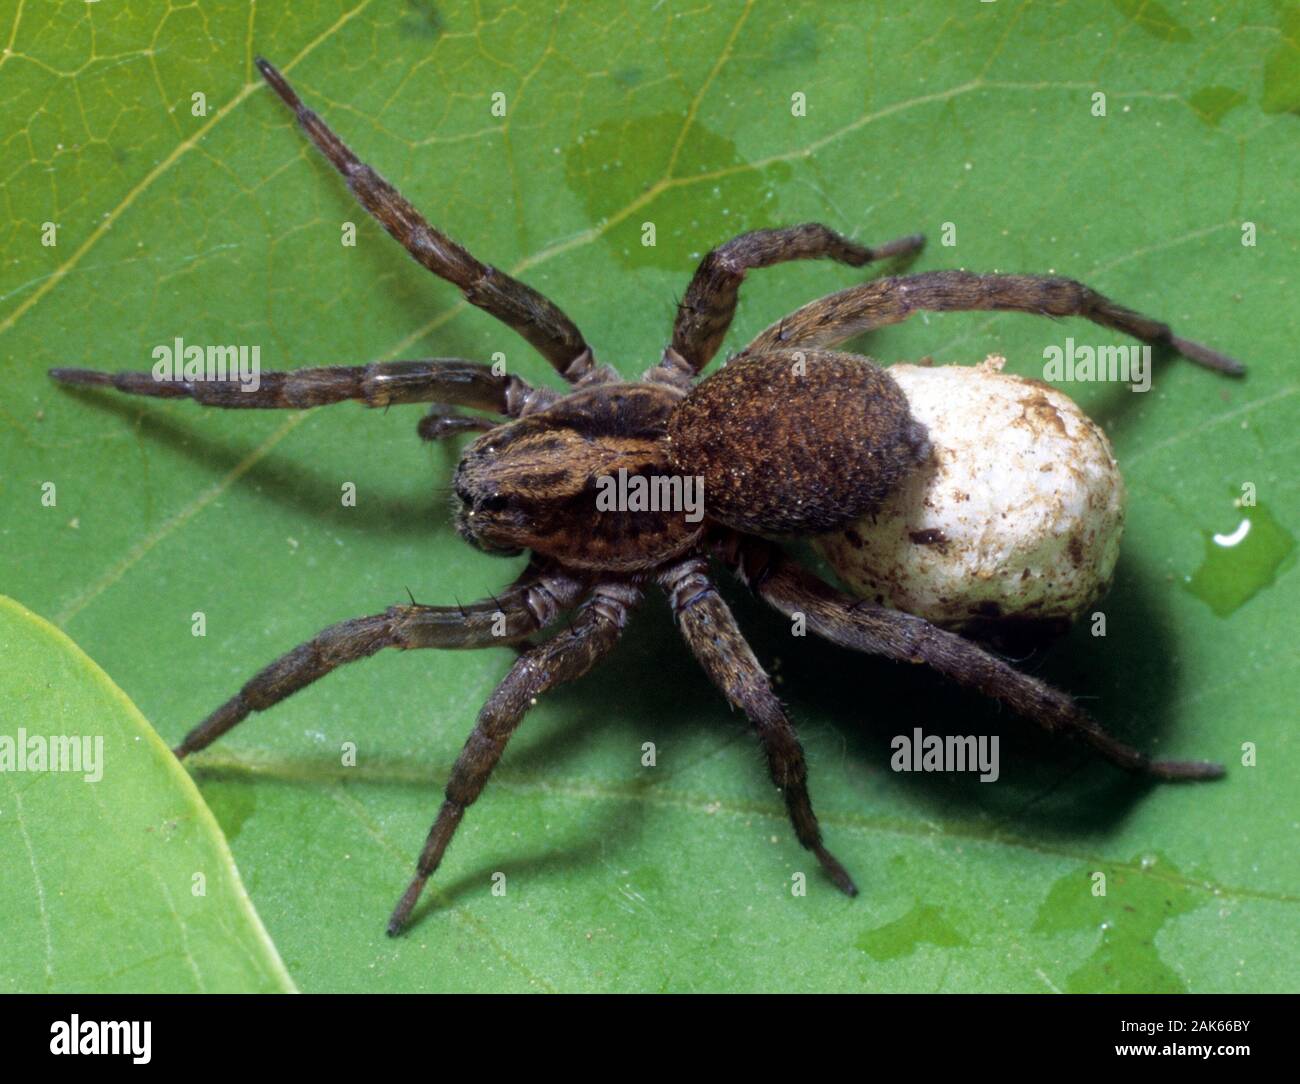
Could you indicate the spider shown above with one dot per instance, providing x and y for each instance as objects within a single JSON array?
[{"x": 790, "y": 438}]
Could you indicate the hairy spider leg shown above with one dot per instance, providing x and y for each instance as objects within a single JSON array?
[
  {"x": 711, "y": 632},
  {"x": 380, "y": 384},
  {"x": 531, "y": 604},
  {"x": 595, "y": 629},
  {"x": 707, "y": 309},
  {"x": 837, "y": 317},
  {"x": 539, "y": 320},
  {"x": 876, "y": 630}
]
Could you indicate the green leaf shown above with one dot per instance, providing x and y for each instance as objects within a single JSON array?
[
  {"x": 226, "y": 228},
  {"x": 116, "y": 875}
]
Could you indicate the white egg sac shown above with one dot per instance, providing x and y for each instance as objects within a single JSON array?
[{"x": 1016, "y": 518}]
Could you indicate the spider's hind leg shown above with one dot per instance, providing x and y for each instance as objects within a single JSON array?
[
  {"x": 838, "y": 317},
  {"x": 789, "y": 588},
  {"x": 711, "y": 632}
]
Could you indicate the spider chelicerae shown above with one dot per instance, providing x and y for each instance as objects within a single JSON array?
[{"x": 789, "y": 438}]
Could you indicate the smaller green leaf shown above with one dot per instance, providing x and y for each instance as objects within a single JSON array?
[{"x": 113, "y": 873}]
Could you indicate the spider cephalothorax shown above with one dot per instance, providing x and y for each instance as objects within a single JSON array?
[
  {"x": 534, "y": 483},
  {"x": 789, "y": 438}
]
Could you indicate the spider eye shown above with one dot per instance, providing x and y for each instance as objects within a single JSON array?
[{"x": 492, "y": 504}]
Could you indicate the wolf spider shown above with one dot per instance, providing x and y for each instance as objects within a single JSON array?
[{"x": 789, "y": 438}]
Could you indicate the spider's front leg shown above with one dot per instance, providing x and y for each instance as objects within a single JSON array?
[
  {"x": 520, "y": 307},
  {"x": 711, "y": 632},
  {"x": 707, "y": 309},
  {"x": 595, "y": 630},
  {"x": 380, "y": 384},
  {"x": 841, "y": 316},
  {"x": 531, "y": 604},
  {"x": 789, "y": 588}
]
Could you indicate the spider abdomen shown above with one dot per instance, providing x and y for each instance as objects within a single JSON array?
[{"x": 795, "y": 441}]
